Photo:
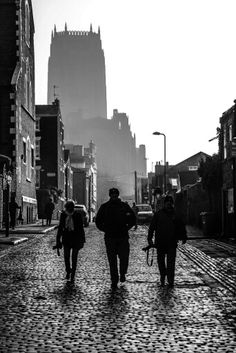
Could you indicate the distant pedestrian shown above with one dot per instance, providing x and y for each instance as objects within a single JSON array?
[
  {"x": 135, "y": 210},
  {"x": 13, "y": 206},
  {"x": 49, "y": 208},
  {"x": 71, "y": 235},
  {"x": 168, "y": 230},
  {"x": 115, "y": 218}
]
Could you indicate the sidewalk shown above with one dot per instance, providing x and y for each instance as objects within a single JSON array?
[{"x": 23, "y": 232}]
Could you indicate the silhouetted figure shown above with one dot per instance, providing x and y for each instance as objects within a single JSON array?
[
  {"x": 71, "y": 231},
  {"x": 12, "y": 210},
  {"x": 49, "y": 208},
  {"x": 168, "y": 230},
  {"x": 135, "y": 210},
  {"x": 115, "y": 218}
]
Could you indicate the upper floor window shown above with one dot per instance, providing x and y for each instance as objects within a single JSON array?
[
  {"x": 225, "y": 141},
  {"x": 37, "y": 126},
  {"x": 24, "y": 151},
  {"x": 27, "y": 23},
  {"x": 230, "y": 132}
]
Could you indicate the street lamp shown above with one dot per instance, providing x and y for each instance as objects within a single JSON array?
[{"x": 160, "y": 133}]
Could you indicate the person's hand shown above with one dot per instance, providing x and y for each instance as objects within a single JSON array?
[
  {"x": 59, "y": 245},
  {"x": 150, "y": 243}
]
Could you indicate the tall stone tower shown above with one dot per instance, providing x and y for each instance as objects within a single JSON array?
[{"x": 76, "y": 75}]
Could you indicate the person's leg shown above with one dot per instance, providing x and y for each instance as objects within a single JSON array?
[
  {"x": 112, "y": 259},
  {"x": 171, "y": 256},
  {"x": 161, "y": 265},
  {"x": 123, "y": 253},
  {"x": 74, "y": 262},
  {"x": 67, "y": 251}
]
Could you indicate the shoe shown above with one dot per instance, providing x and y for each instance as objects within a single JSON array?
[
  {"x": 114, "y": 286},
  {"x": 68, "y": 276},
  {"x": 122, "y": 278},
  {"x": 171, "y": 285},
  {"x": 162, "y": 281}
]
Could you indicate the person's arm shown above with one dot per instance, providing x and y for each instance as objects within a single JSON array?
[
  {"x": 100, "y": 219},
  {"x": 131, "y": 217},
  {"x": 81, "y": 227},
  {"x": 60, "y": 230},
  {"x": 151, "y": 229}
]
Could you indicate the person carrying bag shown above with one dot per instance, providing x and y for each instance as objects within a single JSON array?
[{"x": 71, "y": 236}]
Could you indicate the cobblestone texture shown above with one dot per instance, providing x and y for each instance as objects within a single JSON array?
[{"x": 41, "y": 312}]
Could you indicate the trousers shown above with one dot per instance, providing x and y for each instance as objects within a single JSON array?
[
  {"x": 117, "y": 248},
  {"x": 70, "y": 258},
  {"x": 166, "y": 263}
]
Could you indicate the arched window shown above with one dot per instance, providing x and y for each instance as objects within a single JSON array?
[{"x": 27, "y": 23}]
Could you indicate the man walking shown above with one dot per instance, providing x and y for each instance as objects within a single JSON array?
[
  {"x": 168, "y": 230},
  {"x": 115, "y": 218},
  {"x": 49, "y": 208}
]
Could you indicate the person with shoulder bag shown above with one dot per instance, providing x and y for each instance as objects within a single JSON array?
[
  {"x": 168, "y": 230},
  {"x": 71, "y": 236}
]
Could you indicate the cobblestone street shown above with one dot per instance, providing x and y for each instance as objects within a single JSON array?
[{"x": 41, "y": 312}]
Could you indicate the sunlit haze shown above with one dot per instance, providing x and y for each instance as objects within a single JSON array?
[{"x": 170, "y": 65}]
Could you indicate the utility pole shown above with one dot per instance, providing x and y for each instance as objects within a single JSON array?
[{"x": 135, "y": 186}]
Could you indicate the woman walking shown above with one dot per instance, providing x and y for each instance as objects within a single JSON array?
[{"x": 71, "y": 231}]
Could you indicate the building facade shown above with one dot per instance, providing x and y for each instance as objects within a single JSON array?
[
  {"x": 76, "y": 73},
  {"x": 227, "y": 151},
  {"x": 50, "y": 164},
  {"x": 84, "y": 167},
  {"x": 17, "y": 103}
]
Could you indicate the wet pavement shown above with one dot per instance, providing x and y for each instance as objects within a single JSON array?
[{"x": 41, "y": 312}]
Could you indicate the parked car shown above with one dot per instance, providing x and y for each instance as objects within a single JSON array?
[
  {"x": 83, "y": 210},
  {"x": 145, "y": 213}
]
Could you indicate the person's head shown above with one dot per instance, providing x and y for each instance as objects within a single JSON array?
[
  {"x": 114, "y": 193},
  {"x": 168, "y": 202},
  {"x": 69, "y": 206},
  {"x": 134, "y": 204}
]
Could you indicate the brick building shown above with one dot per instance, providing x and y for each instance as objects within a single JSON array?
[
  {"x": 227, "y": 151},
  {"x": 17, "y": 103},
  {"x": 50, "y": 165}
]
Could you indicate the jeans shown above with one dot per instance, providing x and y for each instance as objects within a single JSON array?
[
  {"x": 67, "y": 257},
  {"x": 166, "y": 263},
  {"x": 117, "y": 248}
]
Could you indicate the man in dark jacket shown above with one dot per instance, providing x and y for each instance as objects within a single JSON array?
[
  {"x": 115, "y": 218},
  {"x": 49, "y": 208},
  {"x": 71, "y": 232},
  {"x": 168, "y": 230}
]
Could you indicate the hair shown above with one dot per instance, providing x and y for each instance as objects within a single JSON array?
[
  {"x": 114, "y": 191},
  {"x": 69, "y": 206}
]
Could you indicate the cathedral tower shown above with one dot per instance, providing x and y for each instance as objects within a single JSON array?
[{"x": 76, "y": 75}]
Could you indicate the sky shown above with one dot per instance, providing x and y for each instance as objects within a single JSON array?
[{"x": 170, "y": 65}]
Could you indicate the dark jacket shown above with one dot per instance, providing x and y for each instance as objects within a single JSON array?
[
  {"x": 115, "y": 218},
  {"x": 75, "y": 238},
  {"x": 168, "y": 229},
  {"x": 49, "y": 208}
]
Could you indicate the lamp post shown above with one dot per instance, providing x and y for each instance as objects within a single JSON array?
[{"x": 164, "y": 174}]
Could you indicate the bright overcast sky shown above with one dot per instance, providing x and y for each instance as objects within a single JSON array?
[{"x": 170, "y": 65}]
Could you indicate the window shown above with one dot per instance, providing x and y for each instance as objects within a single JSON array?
[
  {"x": 24, "y": 151},
  {"x": 27, "y": 23},
  {"x": 37, "y": 126},
  {"x": 194, "y": 167},
  {"x": 32, "y": 157},
  {"x": 28, "y": 159},
  {"x": 225, "y": 142},
  {"x": 230, "y": 132},
  {"x": 37, "y": 148}
]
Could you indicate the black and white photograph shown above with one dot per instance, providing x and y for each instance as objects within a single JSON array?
[{"x": 117, "y": 176}]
